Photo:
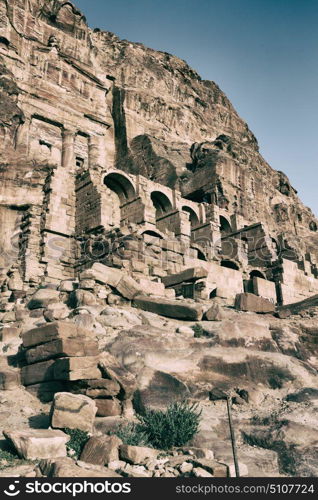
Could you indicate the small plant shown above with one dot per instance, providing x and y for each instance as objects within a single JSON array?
[
  {"x": 10, "y": 459},
  {"x": 78, "y": 439},
  {"x": 5, "y": 348},
  {"x": 6, "y": 459},
  {"x": 132, "y": 434},
  {"x": 173, "y": 427},
  {"x": 198, "y": 331}
]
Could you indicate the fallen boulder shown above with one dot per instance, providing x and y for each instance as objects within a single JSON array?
[
  {"x": 103, "y": 274},
  {"x": 43, "y": 297},
  {"x": 73, "y": 411},
  {"x": 137, "y": 454},
  {"x": 100, "y": 450},
  {"x": 170, "y": 308},
  {"x": 191, "y": 274},
  {"x": 253, "y": 303},
  {"x": 108, "y": 407},
  {"x": 67, "y": 468},
  {"x": 33, "y": 444}
]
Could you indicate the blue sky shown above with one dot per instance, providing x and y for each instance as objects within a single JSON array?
[{"x": 262, "y": 53}]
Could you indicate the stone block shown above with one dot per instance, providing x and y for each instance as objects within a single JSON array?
[
  {"x": 191, "y": 274},
  {"x": 217, "y": 313},
  {"x": 53, "y": 331},
  {"x": 253, "y": 303},
  {"x": 212, "y": 466},
  {"x": 108, "y": 407},
  {"x": 43, "y": 297},
  {"x": 37, "y": 373},
  {"x": 152, "y": 287},
  {"x": 200, "y": 472},
  {"x": 73, "y": 411},
  {"x": 129, "y": 288},
  {"x": 9, "y": 379},
  {"x": 67, "y": 286},
  {"x": 100, "y": 450},
  {"x": 67, "y": 468},
  {"x": 9, "y": 334},
  {"x": 56, "y": 312},
  {"x": 33, "y": 444},
  {"x": 87, "y": 284},
  {"x": 62, "y": 348},
  {"x": 103, "y": 274},
  {"x": 95, "y": 389},
  {"x": 75, "y": 368},
  {"x": 170, "y": 308},
  {"x": 137, "y": 454},
  {"x": 82, "y": 298}
]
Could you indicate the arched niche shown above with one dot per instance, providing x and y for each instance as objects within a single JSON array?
[
  {"x": 4, "y": 42},
  {"x": 225, "y": 226},
  {"x": 257, "y": 274},
  {"x": 200, "y": 253},
  {"x": 230, "y": 264},
  {"x": 161, "y": 203},
  {"x": 120, "y": 185},
  {"x": 194, "y": 219},
  {"x": 121, "y": 191},
  {"x": 155, "y": 234}
]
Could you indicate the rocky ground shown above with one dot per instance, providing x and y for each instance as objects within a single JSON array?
[{"x": 267, "y": 364}]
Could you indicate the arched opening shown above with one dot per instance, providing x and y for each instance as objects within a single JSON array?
[
  {"x": 230, "y": 265},
  {"x": 213, "y": 294},
  {"x": 201, "y": 255},
  {"x": 194, "y": 219},
  {"x": 153, "y": 233},
  {"x": 121, "y": 186},
  {"x": 161, "y": 203},
  {"x": 4, "y": 42},
  {"x": 257, "y": 274},
  {"x": 249, "y": 285},
  {"x": 121, "y": 191},
  {"x": 225, "y": 226}
]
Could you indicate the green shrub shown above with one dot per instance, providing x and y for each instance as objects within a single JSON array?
[
  {"x": 198, "y": 331},
  {"x": 10, "y": 459},
  {"x": 7, "y": 458},
  {"x": 173, "y": 427},
  {"x": 77, "y": 441},
  {"x": 132, "y": 434}
]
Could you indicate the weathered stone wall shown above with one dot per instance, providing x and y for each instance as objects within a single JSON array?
[{"x": 95, "y": 166}]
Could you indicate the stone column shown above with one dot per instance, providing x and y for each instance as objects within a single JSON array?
[
  {"x": 96, "y": 151},
  {"x": 68, "y": 157}
]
